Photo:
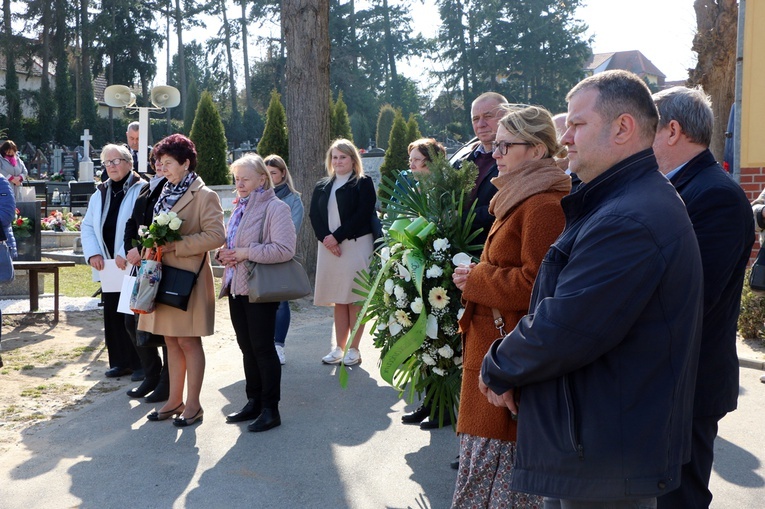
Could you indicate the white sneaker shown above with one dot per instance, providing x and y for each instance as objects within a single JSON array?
[
  {"x": 333, "y": 357},
  {"x": 352, "y": 358},
  {"x": 280, "y": 353}
]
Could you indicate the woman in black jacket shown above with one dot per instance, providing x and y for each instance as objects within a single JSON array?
[
  {"x": 342, "y": 206},
  {"x": 155, "y": 375}
]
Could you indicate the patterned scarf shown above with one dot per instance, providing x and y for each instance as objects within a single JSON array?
[
  {"x": 233, "y": 226},
  {"x": 171, "y": 193}
]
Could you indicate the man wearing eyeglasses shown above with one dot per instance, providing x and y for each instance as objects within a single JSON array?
[{"x": 485, "y": 113}]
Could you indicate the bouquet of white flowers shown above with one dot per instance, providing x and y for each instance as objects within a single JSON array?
[
  {"x": 164, "y": 228},
  {"x": 409, "y": 294}
]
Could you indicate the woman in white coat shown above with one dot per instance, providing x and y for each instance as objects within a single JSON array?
[{"x": 103, "y": 233}]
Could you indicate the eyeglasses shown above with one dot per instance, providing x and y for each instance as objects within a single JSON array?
[
  {"x": 416, "y": 160},
  {"x": 114, "y": 162},
  {"x": 504, "y": 146}
]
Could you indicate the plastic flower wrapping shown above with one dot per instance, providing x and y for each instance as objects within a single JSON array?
[
  {"x": 164, "y": 228},
  {"x": 410, "y": 301},
  {"x": 57, "y": 221},
  {"x": 22, "y": 227}
]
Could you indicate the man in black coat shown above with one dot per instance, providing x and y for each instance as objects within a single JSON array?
[
  {"x": 485, "y": 113},
  {"x": 722, "y": 220}
]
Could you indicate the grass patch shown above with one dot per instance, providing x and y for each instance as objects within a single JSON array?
[
  {"x": 34, "y": 392},
  {"x": 74, "y": 281},
  {"x": 50, "y": 389},
  {"x": 27, "y": 367}
]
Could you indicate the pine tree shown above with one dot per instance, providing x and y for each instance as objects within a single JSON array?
[
  {"x": 275, "y": 138},
  {"x": 192, "y": 101},
  {"x": 341, "y": 123},
  {"x": 396, "y": 157},
  {"x": 208, "y": 135},
  {"x": 384, "y": 124},
  {"x": 412, "y": 130},
  {"x": 253, "y": 125}
]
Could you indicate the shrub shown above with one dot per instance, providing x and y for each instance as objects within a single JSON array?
[
  {"x": 396, "y": 157},
  {"x": 384, "y": 125},
  {"x": 210, "y": 140},
  {"x": 751, "y": 320},
  {"x": 340, "y": 124},
  {"x": 275, "y": 138}
]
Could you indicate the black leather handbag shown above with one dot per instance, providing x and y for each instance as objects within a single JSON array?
[
  {"x": 176, "y": 285},
  {"x": 757, "y": 276}
]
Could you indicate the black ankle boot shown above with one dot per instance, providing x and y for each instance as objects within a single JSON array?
[
  {"x": 148, "y": 385},
  {"x": 250, "y": 411}
]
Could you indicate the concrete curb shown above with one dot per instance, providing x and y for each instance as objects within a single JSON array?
[{"x": 751, "y": 363}]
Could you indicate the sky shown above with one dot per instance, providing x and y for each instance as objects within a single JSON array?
[{"x": 661, "y": 29}]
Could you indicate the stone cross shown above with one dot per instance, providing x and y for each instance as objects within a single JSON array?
[
  {"x": 57, "y": 162},
  {"x": 86, "y": 145}
]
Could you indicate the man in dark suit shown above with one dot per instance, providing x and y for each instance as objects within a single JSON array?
[
  {"x": 485, "y": 113},
  {"x": 722, "y": 220},
  {"x": 132, "y": 141}
]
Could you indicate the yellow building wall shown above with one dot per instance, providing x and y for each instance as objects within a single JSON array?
[{"x": 753, "y": 87}]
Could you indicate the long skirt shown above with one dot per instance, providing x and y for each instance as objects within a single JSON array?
[{"x": 484, "y": 475}]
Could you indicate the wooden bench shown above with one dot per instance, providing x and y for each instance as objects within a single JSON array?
[{"x": 35, "y": 268}]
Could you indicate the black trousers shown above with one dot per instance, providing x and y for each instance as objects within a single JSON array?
[
  {"x": 149, "y": 356},
  {"x": 254, "y": 326},
  {"x": 122, "y": 353},
  {"x": 694, "y": 478}
]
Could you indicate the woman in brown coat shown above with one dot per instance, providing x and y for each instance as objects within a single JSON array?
[
  {"x": 528, "y": 220},
  {"x": 202, "y": 230}
]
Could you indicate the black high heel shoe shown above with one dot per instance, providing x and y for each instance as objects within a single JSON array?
[
  {"x": 182, "y": 422},
  {"x": 161, "y": 416}
]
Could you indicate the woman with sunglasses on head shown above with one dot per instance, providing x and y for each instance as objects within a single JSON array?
[
  {"x": 12, "y": 166},
  {"x": 103, "y": 238},
  {"x": 529, "y": 218},
  {"x": 285, "y": 191}
]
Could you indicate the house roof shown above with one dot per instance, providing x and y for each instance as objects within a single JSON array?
[
  {"x": 34, "y": 70},
  {"x": 633, "y": 61}
]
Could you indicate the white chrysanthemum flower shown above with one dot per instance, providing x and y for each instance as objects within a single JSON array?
[
  {"x": 458, "y": 361},
  {"x": 399, "y": 292},
  {"x": 427, "y": 359},
  {"x": 438, "y": 298},
  {"x": 389, "y": 286},
  {"x": 434, "y": 271},
  {"x": 439, "y": 371},
  {"x": 431, "y": 327},
  {"x": 416, "y": 306},
  {"x": 446, "y": 352},
  {"x": 441, "y": 245},
  {"x": 402, "y": 317},
  {"x": 460, "y": 313},
  {"x": 396, "y": 248}
]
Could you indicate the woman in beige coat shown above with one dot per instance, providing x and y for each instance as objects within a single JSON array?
[{"x": 202, "y": 230}]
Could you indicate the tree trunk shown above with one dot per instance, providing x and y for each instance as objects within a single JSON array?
[
  {"x": 305, "y": 28},
  {"x": 11, "y": 78},
  {"x": 245, "y": 55},
  {"x": 231, "y": 77},
  {"x": 181, "y": 56},
  {"x": 394, "y": 85},
  {"x": 715, "y": 44}
]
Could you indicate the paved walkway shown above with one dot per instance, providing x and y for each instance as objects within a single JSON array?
[{"x": 336, "y": 449}]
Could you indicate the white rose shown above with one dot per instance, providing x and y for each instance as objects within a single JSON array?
[
  {"x": 434, "y": 271},
  {"x": 427, "y": 359},
  {"x": 162, "y": 219},
  {"x": 172, "y": 215},
  {"x": 458, "y": 361},
  {"x": 416, "y": 306},
  {"x": 175, "y": 223},
  {"x": 446, "y": 352},
  {"x": 439, "y": 371},
  {"x": 389, "y": 286},
  {"x": 399, "y": 292}
]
